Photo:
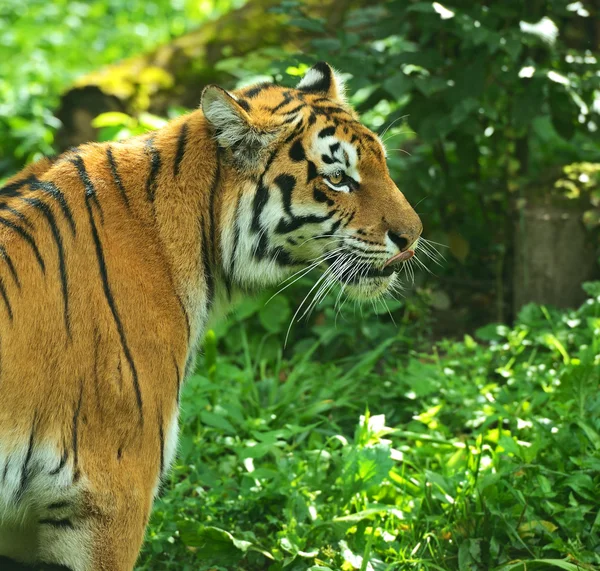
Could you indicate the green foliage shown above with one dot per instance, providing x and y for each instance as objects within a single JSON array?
[
  {"x": 581, "y": 181},
  {"x": 481, "y": 454},
  {"x": 56, "y": 41}
]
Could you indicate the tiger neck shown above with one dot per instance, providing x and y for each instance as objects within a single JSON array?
[{"x": 207, "y": 215}]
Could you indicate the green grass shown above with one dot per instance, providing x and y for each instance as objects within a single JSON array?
[{"x": 478, "y": 454}]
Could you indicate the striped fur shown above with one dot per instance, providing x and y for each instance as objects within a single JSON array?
[{"x": 113, "y": 259}]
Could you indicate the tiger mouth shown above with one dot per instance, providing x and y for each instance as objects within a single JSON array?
[{"x": 351, "y": 275}]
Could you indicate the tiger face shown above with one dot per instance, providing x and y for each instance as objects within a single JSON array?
[{"x": 314, "y": 188}]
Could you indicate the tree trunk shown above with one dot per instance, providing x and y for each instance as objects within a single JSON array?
[
  {"x": 174, "y": 74},
  {"x": 554, "y": 253}
]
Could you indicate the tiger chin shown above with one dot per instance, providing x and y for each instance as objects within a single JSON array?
[{"x": 114, "y": 256}]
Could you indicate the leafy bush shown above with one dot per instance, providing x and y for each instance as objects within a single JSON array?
[
  {"x": 48, "y": 44},
  {"x": 482, "y": 454}
]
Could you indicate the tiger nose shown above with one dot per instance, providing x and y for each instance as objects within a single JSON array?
[{"x": 403, "y": 241}]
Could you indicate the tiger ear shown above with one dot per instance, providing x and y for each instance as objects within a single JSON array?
[
  {"x": 233, "y": 125},
  {"x": 321, "y": 78}
]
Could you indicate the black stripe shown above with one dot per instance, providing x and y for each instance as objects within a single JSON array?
[
  {"x": 113, "y": 308},
  {"x": 312, "y": 172},
  {"x": 62, "y": 523},
  {"x": 261, "y": 249},
  {"x": 120, "y": 370},
  {"x": 243, "y": 104},
  {"x": 28, "y": 238},
  {"x": 254, "y": 91},
  {"x": 58, "y": 505},
  {"x": 287, "y": 98},
  {"x": 286, "y": 184},
  {"x": 297, "y": 151},
  {"x": 209, "y": 254},
  {"x": 284, "y": 226},
  {"x": 187, "y": 319},
  {"x": 350, "y": 218},
  {"x": 321, "y": 196},
  {"x": 295, "y": 110},
  {"x": 6, "y": 300},
  {"x": 335, "y": 226},
  {"x": 211, "y": 208},
  {"x": 282, "y": 257},
  {"x": 25, "y": 470},
  {"x": 370, "y": 138},
  {"x": 261, "y": 198},
  {"x": 12, "y": 189},
  {"x": 90, "y": 191},
  {"x": 5, "y": 471},
  {"x": 293, "y": 135},
  {"x": 74, "y": 429},
  {"x": 329, "y": 110},
  {"x": 52, "y": 190},
  {"x": 18, "y": 214},
  {"x": 208, "y": 277},
  {"x": 181, "y": 142},
  {"x": 289, "y": 120},
  {"x": 327, "y": 132},
  {"x": 236, "y": 240},
  {"x": 116, "y": 177},
  {"x": 90, "y": 194},
  {"x": 322, "y": 84},
  {"x": 62, "y": 268},
  {"x": 61, "y": 464},
  {"x": 151, "y": 183},
  {"x": 262, "y": 194}
]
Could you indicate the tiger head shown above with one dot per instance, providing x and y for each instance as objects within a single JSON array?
[{"x": 310, "y": 187}]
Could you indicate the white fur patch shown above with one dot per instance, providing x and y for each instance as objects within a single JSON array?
[
  {"x": 171, "y": 439},
  {"x": 322, "y": 146},
  {"x": 22, "y": 506},
  {"x": 230, "y": 121},
  {"x": 311, "y": 78},
  {"x": 42, "y": 487},
  {"x": 390, "y": 247},
  {"x": 247, "y": 268},
  {"x": 171, "y": 436}
]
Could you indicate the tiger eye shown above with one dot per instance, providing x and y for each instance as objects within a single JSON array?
[{"x": 336, "y": 177}]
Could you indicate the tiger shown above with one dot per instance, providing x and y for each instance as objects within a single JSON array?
[{"x": 115, "y": 256}]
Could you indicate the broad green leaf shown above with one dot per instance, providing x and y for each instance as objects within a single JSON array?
[
  {"x": 216, "y": 421},
  {"x": 275, "y": 314}
]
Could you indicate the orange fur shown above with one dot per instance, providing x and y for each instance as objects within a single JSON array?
[{"x": 114, "y": 256}]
